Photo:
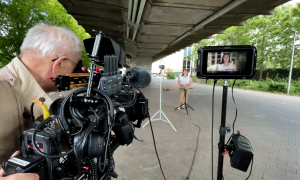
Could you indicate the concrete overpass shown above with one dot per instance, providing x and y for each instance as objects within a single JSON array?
[{"x": 152, "y": 29}]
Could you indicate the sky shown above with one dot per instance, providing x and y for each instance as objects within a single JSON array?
[{"x": 294, "y": 2}]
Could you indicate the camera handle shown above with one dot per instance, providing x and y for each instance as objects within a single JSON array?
[
  {"x": 222, "y": 131},
  {"x": 93, "y": 58}
]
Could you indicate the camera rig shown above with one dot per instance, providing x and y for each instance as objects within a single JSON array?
[{"x": 89, "y": 124}]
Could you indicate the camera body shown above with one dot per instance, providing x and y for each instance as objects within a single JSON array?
[
  {"x": 77, "y": 142},
  {"x": 31, "y": 163},
  {"x": 30, "y": 160}
]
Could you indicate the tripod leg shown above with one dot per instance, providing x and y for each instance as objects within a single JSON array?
[
  {"x": 185, "y": 104},
  {"x": 179, "y": 106},
  {"x": 190, "y": 107},
  {"x": 168, "y": 120},
  {"x": 151, "y": 118},
  {"x": 155, "y": 114},
  {"x": 146, "y": 123},
  {"x": 187, "y": 112}
]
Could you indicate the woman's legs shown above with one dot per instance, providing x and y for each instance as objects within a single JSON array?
[
  {"x": 187, "y": 94},
  {"x": 181, "y": 97}
]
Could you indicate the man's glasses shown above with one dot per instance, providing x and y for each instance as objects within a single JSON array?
[
  {"x": 68, "y": 59},
  {"x": 78, "y": 66},
  {"x": 62, "y": 54}
]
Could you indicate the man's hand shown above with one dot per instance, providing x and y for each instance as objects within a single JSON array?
[
  {"x": 23, "y": 176},
  {"x": 2, "y": 173}
]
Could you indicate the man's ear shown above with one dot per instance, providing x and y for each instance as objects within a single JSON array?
[{"x": 57, "y": 64}]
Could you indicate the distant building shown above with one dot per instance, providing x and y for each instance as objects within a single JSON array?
[{"x": 175, "y": 62}]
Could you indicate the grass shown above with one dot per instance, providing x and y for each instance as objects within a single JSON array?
[{"x": 277, "y": 85}]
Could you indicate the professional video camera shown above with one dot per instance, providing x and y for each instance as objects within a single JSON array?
[
  {"x": 229, "y": 62},
  {"x": 90, "y": 123}
]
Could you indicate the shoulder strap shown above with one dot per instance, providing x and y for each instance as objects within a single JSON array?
[{"x": 8, "y": 75}]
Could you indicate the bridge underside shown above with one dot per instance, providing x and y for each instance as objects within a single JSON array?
[{"x": 157, "y": 28}]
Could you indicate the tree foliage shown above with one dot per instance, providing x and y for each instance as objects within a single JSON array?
[
  {"x": 272, "y": 35},
  {"x": 18, "y": 16}
]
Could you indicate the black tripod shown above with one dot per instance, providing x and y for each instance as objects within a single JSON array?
[
  {"x": 222, "y": 131},
  {"x": 185, "y": 104}
]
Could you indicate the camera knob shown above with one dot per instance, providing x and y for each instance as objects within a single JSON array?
[{"x": 228, "y": 128}]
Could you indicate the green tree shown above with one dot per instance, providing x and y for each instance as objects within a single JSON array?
[
  {"x": 272, "y": 35},
  {"x": 17, "y": 16}
]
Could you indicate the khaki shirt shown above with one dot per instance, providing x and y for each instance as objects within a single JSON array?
[{"x": 18, "y": 89}]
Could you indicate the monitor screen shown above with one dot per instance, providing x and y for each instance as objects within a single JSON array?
[
  {"x": 226, "y": 61},
  {"x": 231, "y": 62}
]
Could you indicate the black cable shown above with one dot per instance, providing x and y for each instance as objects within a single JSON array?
[
  {"x": 103, "y": 101},
  {"x": 229, "y": 140},
  {"x": 235, "y": 107},
  {"x": 212, "y": 131},
  {"x": 93, "y": 169},
  {"x": 141, "y": 92},
  {"x": 81, "y": 128},
  {"x": 109, "y": 130},
  {"x": 130, "y": 103},
  {"x": 81, "y": 90},
  {"x": 251, "y": 166},
  {"x": 55, "y": 143},
  {"x": 188, "y": 177},
  {"x": 235, "y": 115},
  {"x": 105, "y": 154},
  {"x": 252, "y": 157},
  {"x": 39, "y": 127},
  {"x": 31, "y": 111},
  {"x": 155, "y": 146},
  {"x": 134, "y": 96},
  {"x": 80, "y": 115},
  {"x": 44, "y": 154},
  {"x": 94, "y": 113}
]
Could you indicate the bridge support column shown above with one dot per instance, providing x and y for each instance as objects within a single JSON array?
[{"x": 144, "y": 61}]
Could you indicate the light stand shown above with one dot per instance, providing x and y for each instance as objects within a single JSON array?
[
  {"x": 160, "y": 112},
  {"x": 222, "y": 131},
  {"x": 291, "y": 67}
]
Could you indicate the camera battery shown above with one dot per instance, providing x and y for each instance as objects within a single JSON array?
[
  {"x": 242, "y": 153},
  {"x": 44, "y": 142},
  {"x": 30, "y": 164}
]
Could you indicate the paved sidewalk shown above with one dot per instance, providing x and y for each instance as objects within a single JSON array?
[{"x": 271, "y": 122}]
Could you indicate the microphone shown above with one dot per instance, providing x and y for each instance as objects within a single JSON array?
[{"x": 138, "y": 77}]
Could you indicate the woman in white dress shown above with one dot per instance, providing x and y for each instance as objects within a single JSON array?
[
  {"x": 184, "y": 81},
  {"x": 226, "y": 65}
]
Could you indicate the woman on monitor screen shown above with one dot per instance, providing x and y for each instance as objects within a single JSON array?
[
  {"x": 184, "y": 81},
  {"x": 226, "y": 64}
]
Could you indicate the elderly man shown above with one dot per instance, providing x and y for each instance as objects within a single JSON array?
[{"x": 47, "y": 51}]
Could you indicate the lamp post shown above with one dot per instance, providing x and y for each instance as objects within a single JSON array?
[{"x": 291, "y": 67}]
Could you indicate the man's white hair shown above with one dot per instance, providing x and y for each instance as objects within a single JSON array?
[{"x": 46, "y": 40}]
